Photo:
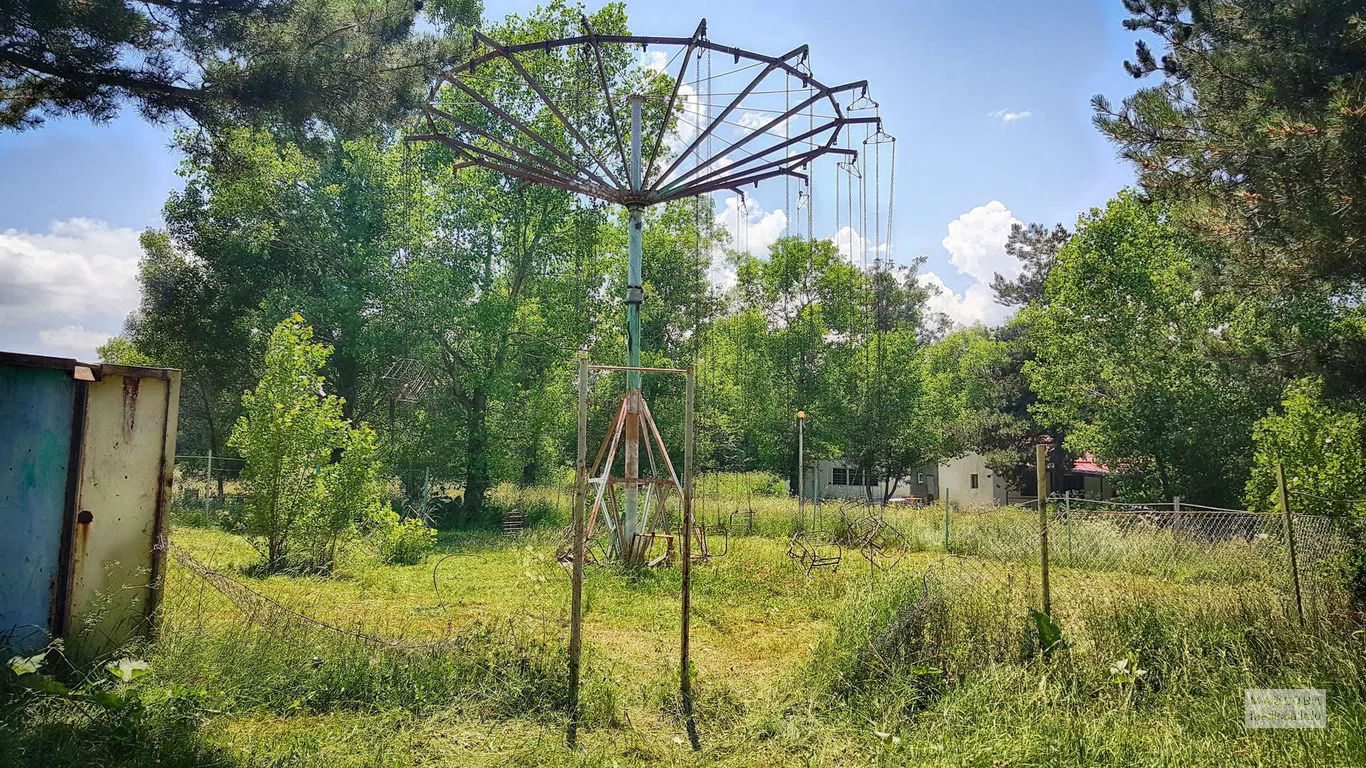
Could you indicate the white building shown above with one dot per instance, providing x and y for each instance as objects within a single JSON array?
[{"x": 967, "y": 480}]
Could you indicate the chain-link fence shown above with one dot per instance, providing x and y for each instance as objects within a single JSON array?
[
  {"x": 207, "y": 491},
  {"x": 1086, "y": 553}
]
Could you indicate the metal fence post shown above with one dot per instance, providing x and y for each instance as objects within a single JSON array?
[
  {"x": 685, "y": 676},
  {"x": 1290, "y": 539},
  {"x": 208, "y": 482},
  {"x": 576, "y": 548},
  {"x": 946, "y": 521},
  {"x": 1067, "y": 521},
  {"x": 1176, "y": 529},
  {"x": 1041, "y": 475}
]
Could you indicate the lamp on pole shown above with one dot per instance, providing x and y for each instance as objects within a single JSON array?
[{"x": 801, "y": 467}]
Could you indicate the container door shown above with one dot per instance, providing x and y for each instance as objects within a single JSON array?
[
  {"x": 35, "y": 451},
  {"x": 125, "y": 478}
]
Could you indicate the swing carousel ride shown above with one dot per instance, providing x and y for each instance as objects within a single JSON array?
[{"x": 640, "y": 121}]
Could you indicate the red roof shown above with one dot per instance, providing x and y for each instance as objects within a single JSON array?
[{"x": 1086, "y": 464}]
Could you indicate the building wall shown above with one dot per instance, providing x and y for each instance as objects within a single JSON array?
[
  {"x": 820, "y": 475},
  {"x": 955, "y": 479}
]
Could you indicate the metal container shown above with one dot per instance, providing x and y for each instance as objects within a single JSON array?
[{"x": 86, "y": 458}]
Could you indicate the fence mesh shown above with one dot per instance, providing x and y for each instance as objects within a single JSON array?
[{"x": 207, "y": 491}]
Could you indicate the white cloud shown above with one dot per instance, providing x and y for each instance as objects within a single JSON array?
[
  {"x": 975, "y": 306},
  {"x": 79, "y": 277},
  {"x": 752, "y": 121},
  {"x": 854, "y": 246},
  {"x": 751, "y": 228},
  {"x": 72, "y": 338},
  {"x": 977, "y": 242},
  {"x": 1007, "y": 116}
]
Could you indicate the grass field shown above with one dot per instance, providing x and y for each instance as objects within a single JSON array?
[{"x": 935, "y": 662}]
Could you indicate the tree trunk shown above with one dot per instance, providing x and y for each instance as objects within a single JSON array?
[
  {"x": 1163, "y": 477},
  {"x": 476, "y": 455}
]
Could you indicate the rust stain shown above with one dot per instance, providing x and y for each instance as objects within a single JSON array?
[
  {"x": 130, "y": 403},
  {"x": 81, "y": 543}
]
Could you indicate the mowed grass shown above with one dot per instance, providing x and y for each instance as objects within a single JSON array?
[{"x": 935, "y": 662}]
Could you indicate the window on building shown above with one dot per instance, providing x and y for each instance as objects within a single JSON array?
[
  {"x": 871, "y": 479},
  {"x": 839, "y": 476},
  {"x": 920, "y": 478},
  {"x": 972, "y": 480}
]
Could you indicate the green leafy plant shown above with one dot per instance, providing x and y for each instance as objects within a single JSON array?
[
  {"x": 1050, "y": 634},
  {"x": 402, "y": 542},
  {"x": 109, "y": 692},
  {"x": 302, "y": 503}
]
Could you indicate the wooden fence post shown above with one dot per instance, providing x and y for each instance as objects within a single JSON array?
[
  {"x": 1041, "y": 475},
  {"x": 576, "y": 548},
  {"x": 1290, "y": 539}
]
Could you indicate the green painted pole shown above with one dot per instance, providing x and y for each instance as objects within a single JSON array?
[{"x": 635, "y": 295}]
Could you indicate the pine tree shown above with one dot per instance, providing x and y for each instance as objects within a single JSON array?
[
  {"x": 1035, "y": 247},
  {"x": 346, "y": 62}
]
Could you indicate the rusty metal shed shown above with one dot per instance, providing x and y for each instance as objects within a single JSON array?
[{"x": 86, "y": 455}]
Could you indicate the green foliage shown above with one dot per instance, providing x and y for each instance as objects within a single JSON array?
[
  {"x": 1127, "y": 359},
  {"x": 1255, "y": 136},
  {"x": 120, "y": 351},
  {"x": 302, "y": 504},
  {"x": 1036, "y": 248},
  {"x": 1319, "y": 446},
  {"x": 402, "y": 542},
  {"x": 103, "y": 691},
  {"x": 344, "y": 62}
]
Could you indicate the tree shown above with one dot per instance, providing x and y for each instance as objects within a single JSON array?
[
  {"x": 347, "y": 62},
  {"x": 1130, "y": 358},
  {"x": 302, "y": 503},
  {"x": 1036, "y": 248},
  {"x": 1319, "y": 446},
  {"x": 1256, "y": 136},
  {"x": 503, "y": 287},
  {"x": 120, "y": 351}
]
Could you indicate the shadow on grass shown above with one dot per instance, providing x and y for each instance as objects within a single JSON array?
[{"x": 45, "y": 735}]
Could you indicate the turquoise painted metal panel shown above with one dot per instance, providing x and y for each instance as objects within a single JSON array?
[{"x": 35, "y": 450}]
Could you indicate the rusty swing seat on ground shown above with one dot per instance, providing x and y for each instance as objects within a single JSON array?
[{"x": 816, "y": 549}]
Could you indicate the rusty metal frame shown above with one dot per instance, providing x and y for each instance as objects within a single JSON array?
[{"x": 595, "y": 177}]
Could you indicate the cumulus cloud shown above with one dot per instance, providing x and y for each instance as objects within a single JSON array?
[
  {"x": 855, "y": 247},
  {"x": 752, "y": 121},
  {"x": 70, "y": 284},
  {"x": 976, "y": 242},
  {"x": 1008, "y": 116},
  {"x": 751, "y": 228},
  {"x": 974, "y": 306}
]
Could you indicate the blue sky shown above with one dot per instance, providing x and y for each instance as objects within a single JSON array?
[{"x": 947, "y": 75}]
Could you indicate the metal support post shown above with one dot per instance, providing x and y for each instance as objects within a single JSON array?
[
  {"x": 635, "y": 295},
  {"x": 1041, "y": 474},
  {"x": 801, "y": 470},
  {"x": 208, "y": 482},
  {"x": 946, "y": 521},
  {"x": 685, "y": 671},
  {"x": 576, "y": 591},
  {"x": 1290, "y": 539}
]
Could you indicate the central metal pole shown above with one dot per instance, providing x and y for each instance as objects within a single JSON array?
[{"x": 635, "y": 295}]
